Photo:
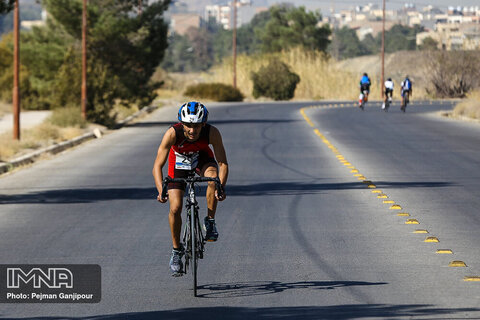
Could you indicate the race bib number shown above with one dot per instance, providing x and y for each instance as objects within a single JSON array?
[{"x": 186, "y": 162}]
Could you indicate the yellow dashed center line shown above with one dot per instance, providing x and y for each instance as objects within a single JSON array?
[{"x": 379, "y": 193}]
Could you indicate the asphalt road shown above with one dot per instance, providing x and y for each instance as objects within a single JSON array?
[{"x": 300, "y": 235}]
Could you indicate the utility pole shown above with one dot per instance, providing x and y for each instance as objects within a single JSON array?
[
  {"x": 382, "y": 79},
  {"x": 16, "y": 70},
  {"x": 234, "y": 46},
  {"x": 84, "y": 60}
]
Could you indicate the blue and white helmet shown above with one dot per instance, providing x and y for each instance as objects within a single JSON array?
[{"x": 193, "y": 112}]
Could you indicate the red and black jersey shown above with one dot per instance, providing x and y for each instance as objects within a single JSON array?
[{"x": 192, "y": 149}]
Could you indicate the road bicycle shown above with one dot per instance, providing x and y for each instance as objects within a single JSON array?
[
  {"x": 193, "y": 238},
  {"x": 405, "y": 101},
  {"x": 363, "y": 99},
  {"x": 387, "y": 103}
]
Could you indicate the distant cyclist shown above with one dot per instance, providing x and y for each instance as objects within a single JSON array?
[
  {"x": 187, "y": 147},
  {"x": 406, "y": 89},
  {"x": 388, "y": 92},
  {"x": 364, "y": 88}
]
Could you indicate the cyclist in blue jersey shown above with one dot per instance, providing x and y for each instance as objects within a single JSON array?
[{"x": 364, "y": 88}]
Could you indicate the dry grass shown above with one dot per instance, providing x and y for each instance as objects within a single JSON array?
[
  {"x": 320, "y": 77},
  {"x": 470, "y": 107},
  {"x": 5, "y": 108},
  {"x": 40, "y": 136},
  {"x": 326, "y": 78}
]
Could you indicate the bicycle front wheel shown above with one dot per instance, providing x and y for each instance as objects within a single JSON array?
[{"x": 194, "y": 245}]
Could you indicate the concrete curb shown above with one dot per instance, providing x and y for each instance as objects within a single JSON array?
[{"x": 57, "y": 148}]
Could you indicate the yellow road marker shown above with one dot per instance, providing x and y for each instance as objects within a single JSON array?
[
  {"x": 367, "y": 181},
  {"x": 388, "y": 201},
  {"x": 403, "y": 214},
  {"x": 420, "y": 231},
  {"x": 444, "y": 251},
  {"x": 361, "y": 178},
  {"x": 431, "y": 239},
  {"x": 471, "y": 278},
  {"x": 347, "y": 164},
  {"x": 306, "y": 118},
  {"x": 412, "y": 221},
  {"x": 395, "y": 207},
  {"x": 382, "y": 196},
  {"x": 358, "y": 175},
  {"x": 351, "y": 167},
  {"x": 457, "y": 263},
  {"x": 377, "y": 191},
  {"x": 371, "y": 186},
  {"x": 354, "y": 171}
]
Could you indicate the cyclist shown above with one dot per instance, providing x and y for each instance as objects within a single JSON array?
[
  {"x": 364, "y": 86},
  {"x": 388, "y": 91},
  {"x": 186, "y": 145},
  {"x": 406, "y": 88}
]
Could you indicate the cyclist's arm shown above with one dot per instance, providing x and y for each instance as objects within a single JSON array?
[
  {"x": 220, "y": 154},
  {"x": 162, "y": 155}
]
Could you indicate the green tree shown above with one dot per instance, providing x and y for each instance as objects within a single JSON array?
[
  {"x": 124, "y": 49},
  {"x": 6, "y": 6},
  {"x": 428, "y": 44},
  {"x": 179, "y": 56},
  {"x": 401, "y": 38},
  {"x": 346, "y": 44},
  {"x": 43, "y": 52},
  {"x": 199, "y": 49},
  {"x": 370, "y": 44},
  {"x": 6, "y": 72},
  {"x": 275, "y": 81},
  {"x": 292, "y": 27}
]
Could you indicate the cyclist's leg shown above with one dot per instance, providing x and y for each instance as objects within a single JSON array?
[
  {"x": 175, "y": 197},
  {"x": 210, "y": 170}
]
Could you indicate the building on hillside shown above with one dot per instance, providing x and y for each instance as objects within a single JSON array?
[
  {"x": 454, "y": 36},
  {"x": 223, "y": 14},
  {"x": 181, "y": 22},
  {"x": 363, "y": 28}
]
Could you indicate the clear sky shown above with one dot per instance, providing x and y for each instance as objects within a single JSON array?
[{"x": 326, "y": 5}]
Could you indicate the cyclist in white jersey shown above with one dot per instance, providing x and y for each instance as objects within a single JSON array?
[{"x": 388, "y": 91}]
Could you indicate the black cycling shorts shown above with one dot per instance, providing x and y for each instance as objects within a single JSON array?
[{"x": 364, "y": 87}]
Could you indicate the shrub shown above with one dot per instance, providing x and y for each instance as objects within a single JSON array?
[
  {"x": 68, "y": 117},
  {"x": 275, "y": 81},
  {"x": 453, "y": 74},
  {"x": 469, "y": 107},
  {"x": 214, "y": 91}
]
